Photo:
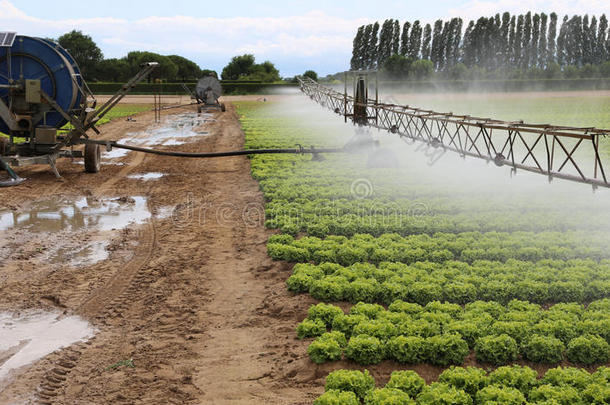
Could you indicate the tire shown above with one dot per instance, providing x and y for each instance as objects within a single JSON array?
[
  {"x": 93, "y": 157},
  {"x": 222, "y": 107},
  {"x": 3, "y": 146}
]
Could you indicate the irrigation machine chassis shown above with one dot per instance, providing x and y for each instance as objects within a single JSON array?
[{"x": 42, "y": 90}]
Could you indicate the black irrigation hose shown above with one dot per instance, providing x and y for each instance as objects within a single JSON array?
[{"x": 299, "y": 151}]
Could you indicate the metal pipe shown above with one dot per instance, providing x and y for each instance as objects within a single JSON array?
[{"x": 298, "y": 151}]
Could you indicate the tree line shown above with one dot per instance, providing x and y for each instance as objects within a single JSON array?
[
  {"x": 95, "y": 68},
  {"x": 172, "y": 68},
  {"x": 528, "y": 45}
]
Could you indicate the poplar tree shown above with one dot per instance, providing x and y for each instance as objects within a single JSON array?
[
  {"x": 468, "y": 55},
  {"x": 600, "y": 46},
  {"x": 535, "y": 39},
  {"x": 396, "y": 38},
  {"x": 511, "y": 41},
  {"x": 494, "y": 27},
  {"x": 373, "y": 40},
  {"x": 384, "y": 46},
  {"x": 356, "y": 62},
  {"x": 561, "y": 42},
  {"x": 444, "y": 45},
  {"x": 415, "y": 41},
  {"x": 552, "y": 44},
  {"x": 366, "y": 46},
  {"x": 592, "y": 41},
  {"x": 436, "y": 43},
  {"x": 542, "y": 46},
  {"x": 457, "y": 41},
  {"x": 480, "y": 43},
  {"x": 574, "y": 41},
  {"x": 608, "y": 45},
  {"x": 504, "y": 29},
  {"x": 425, "y": 49},
  {"x": 404, "y": 39},
  {"x": 526, "y": 40},
  {"x": 585, "y": 41},
  {"x": 517, "y": 54}
]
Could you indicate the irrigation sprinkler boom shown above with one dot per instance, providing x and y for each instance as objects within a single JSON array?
[
  {"x": 41, "y": 90},
  {"x": 563, "y": 152}
]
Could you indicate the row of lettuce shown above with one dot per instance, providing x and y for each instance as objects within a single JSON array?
[
  {"x": 323, "y": 217},
  {"x": 444, "y": 334},
  {"x": 441, "y": 247},
  {"x": 463, "y": 271},
  {"x": 508, "y": 385},
  {"x": 545, "y": 281}
]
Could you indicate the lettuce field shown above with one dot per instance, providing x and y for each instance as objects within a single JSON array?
[{"x": 502, "y": 286}]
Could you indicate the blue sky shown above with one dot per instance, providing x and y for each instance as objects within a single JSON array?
[
  {"x": 295, "y": 35},
  {"x": 135, "y": 9}
]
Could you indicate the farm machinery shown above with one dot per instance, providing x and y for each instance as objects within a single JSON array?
[
  {"x": 46, "y": 107},
  {"x": 564, "y": 152},
  {"x": 207, "y": 94}
]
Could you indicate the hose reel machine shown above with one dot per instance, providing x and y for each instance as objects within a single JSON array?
[
  {"x": 42, "y": 90},
  {"x": 207, "y": 93}
]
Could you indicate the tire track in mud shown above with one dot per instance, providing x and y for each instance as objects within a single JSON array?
[
  {"x": 106, "y": 303},
  {"x": 136, "y": 161},
  {"x": 119, "y": 299},
  {"x": 110, "y": 299},
  {"x": 55, "y": 377}
]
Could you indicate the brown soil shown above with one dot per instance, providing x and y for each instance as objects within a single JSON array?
[{"x": 193, "y": 299}]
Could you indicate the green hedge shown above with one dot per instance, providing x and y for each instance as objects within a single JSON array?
[
  {"x": 251, "y": 87},
  {"x": 177, "y": 89},
  {"x": 495, "y": 85}
]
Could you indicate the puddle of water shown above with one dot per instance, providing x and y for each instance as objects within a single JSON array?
[
  {"x": 64, "y": 214},
  {"x": 115, "y": 153},
  {"x": 67, "y": 219},
  {"x": 27, "y": 338},
  {"x": 87, "y": 255},
  {"x": 146, "y": 176},
  {"x": 164, "y": 212},
  {"x": 176, "y": 130},
  {"x": 173, "y": 142}
]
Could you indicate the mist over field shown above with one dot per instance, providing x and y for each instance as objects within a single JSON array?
[{"x": 481, "y": 181}]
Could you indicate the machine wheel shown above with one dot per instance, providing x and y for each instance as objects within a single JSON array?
[
  {"x": 93, "y": 157},
  {"x": 222, "y": 107}
]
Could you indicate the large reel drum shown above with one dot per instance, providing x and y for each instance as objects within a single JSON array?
[
  {"x": 39, "y": 59},
  {"x": 208, "y": 90}
]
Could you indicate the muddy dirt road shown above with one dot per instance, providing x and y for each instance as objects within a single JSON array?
[{"x": 185, "y": 304}]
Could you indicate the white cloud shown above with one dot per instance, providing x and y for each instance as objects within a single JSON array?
[{"x": 211, "y": 42}]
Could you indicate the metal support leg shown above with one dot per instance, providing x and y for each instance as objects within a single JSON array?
[
  {"x": 14, "y": 178},
  {"x": 51, "y": 159}
]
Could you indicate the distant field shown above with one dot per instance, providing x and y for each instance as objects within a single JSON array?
[
  {"x": 123, "y": 110},
  {"x": 586, "y": 109}
]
